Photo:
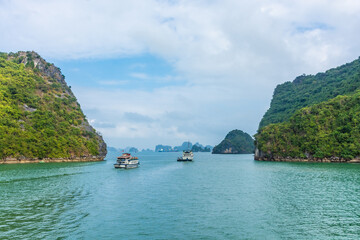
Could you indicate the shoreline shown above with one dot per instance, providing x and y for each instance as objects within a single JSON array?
[
  {"x": 260, "y": 156},
  {"x": 321, "y": 160},
  {"x": 50, "y": 160}
]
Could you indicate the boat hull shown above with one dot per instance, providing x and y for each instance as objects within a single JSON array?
[
  {"x": 126, "y": 166},
  {"x": 184, "y": 159}
]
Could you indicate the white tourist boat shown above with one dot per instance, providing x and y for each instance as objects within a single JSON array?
[
  {"x": 187, "y": 156},
  {"x": 127, "y": 161}
]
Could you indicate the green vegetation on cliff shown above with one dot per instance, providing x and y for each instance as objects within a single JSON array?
[
  {"x": 235, "y": 142},
  {"x": 312, "y": 89},
  {"x": 327, "y": 130},
  {"x": 39, "y": 115}
]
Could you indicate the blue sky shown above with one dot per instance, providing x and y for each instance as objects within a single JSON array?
[
  {"x": 163, "y": 72},
  {"x": 145, "y": 71}
]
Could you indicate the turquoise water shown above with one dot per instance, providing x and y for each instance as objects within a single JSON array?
[{"x": 214, "y": 197}]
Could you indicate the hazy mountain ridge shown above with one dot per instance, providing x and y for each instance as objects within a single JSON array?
[{"x": 197, "y": 147}]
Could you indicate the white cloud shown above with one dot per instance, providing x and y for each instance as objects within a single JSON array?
[
  {"x": 113, "y": 82},
  {"x": 172, "y": 114},
  {"x": 231, "y": 53},
  {"x": 139, "y": 75}
]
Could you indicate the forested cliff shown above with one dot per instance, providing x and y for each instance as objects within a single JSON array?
[
  {"x": 314, "y": 118},
  {"x": 307, "y": 90},
  {"x": 40, "y": 118}
]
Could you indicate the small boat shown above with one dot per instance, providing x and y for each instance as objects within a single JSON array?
[
  {"x": 127, "y": 161},
  {"x": 187, "y": 156}
]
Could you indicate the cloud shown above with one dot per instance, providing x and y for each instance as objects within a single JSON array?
[
  {"x": 136, "y": 117},
  {"x": 95, "y": 123},
  {"x": 201, "y": 39},
  {"x": 313, "y": 27},
  {"x": 227, "y": 56},
  {"x": 113, "y": 82},
  {"x": 172, "y": 114},
  {"x": 139, "y": 75}
]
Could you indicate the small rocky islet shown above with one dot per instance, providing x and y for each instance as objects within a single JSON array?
[{"x": 235, "y": 142}]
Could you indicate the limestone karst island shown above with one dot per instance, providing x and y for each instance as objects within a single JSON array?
[
  {"x": 41, "y": 119},
  {"x": 314, "y": 118},
  {"x": 235, "y": 142}
]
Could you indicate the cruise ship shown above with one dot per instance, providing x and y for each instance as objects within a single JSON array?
[
  {"x": 127, "y": 161},
  {"x": 187, "y": 156}
]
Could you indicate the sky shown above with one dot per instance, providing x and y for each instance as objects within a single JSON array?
[{"x": 149, "y": 72}]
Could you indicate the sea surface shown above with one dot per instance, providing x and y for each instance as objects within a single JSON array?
[{"x": 214, "y": 197}]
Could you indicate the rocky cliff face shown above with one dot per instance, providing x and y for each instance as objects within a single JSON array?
[
  {"x": 35, "y": 61},
  {"x": 269, "y": 156},
  {"x": 41, "y": 119}
]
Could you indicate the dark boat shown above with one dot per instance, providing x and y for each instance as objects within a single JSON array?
[{"x": 187, "y": 156}]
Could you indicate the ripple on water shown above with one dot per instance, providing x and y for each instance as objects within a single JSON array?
[
  {"x": 44, "y": 204},
  {"x": 215, "y": 197}
]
